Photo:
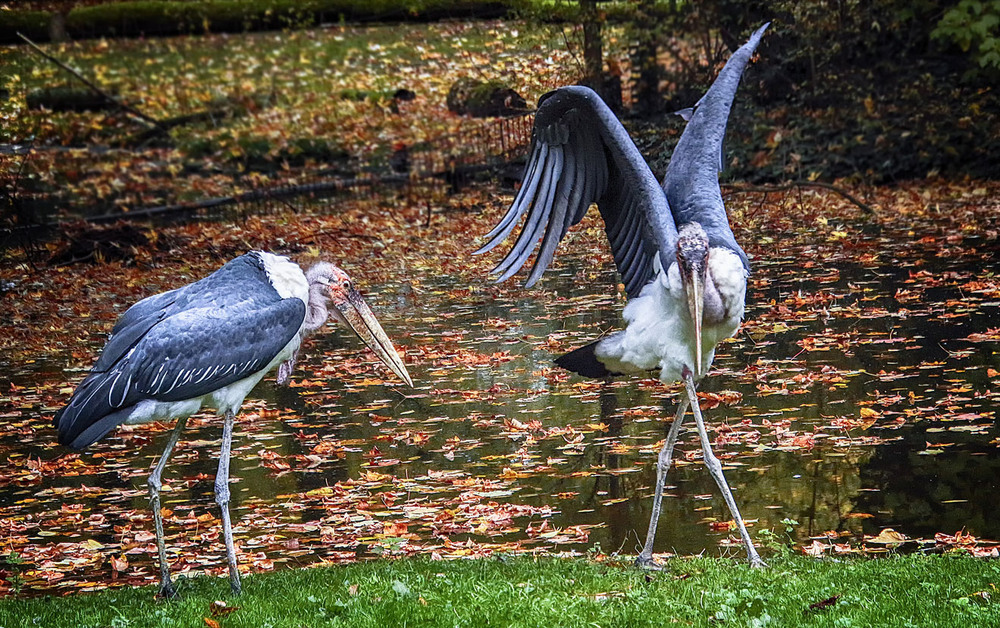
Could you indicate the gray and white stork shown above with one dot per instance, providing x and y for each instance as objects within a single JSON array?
[
  {"x": 209, "y": 343},
  {"x": 684, "y": 273}
]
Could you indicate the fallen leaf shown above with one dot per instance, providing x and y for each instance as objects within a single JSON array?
[
  {"x": 828, "y": 602},
  {"x": 888, "y": 536}
]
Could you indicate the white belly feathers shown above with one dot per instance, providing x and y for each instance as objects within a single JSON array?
[{"x": 659, "y": 332}]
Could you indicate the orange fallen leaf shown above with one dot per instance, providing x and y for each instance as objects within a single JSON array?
[
  {"x": 119, "y": 563},
  {"x": 395, "y": 528},
  {"x": 220, "y": 608},
  {"x": 888, "y": 536}
]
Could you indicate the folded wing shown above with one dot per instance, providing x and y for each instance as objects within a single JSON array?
[{"x": 180, "y": 345}]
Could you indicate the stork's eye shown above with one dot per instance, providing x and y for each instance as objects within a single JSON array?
[{"x": 347, "y": 284}]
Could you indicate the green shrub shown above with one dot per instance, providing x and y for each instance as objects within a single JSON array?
[
  {"x": 151, "y": 17},
  {"x": 33, "y": 24},
  {"x": 974, "y": 26},
  {"x": 171, "y": 17},
  {"x": 67, "y": 98}
]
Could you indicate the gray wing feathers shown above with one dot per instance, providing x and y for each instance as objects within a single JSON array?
[
  {"x": 580, "y": 154},
  {"x": 92, "y": 432},
  {"x": 236, "y": 281},
  {"x": 183, "y": 344},
  {"x": 201, "y": 350},
  {"x": 692, "y": 179},
  {"x": 187, "y": 355},
  {"x": 133, "y": 325}
]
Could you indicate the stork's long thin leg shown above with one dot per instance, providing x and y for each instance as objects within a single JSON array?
[
  {"x": 222, "y": 499},
  {"x": 166, "y": 586},
  {"x": 645, "y": 558},
  {"x": 715, "y": 468}
]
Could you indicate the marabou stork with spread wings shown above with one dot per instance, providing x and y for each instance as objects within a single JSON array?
[
  {"x": 683, "y": 271},
  {"x": 210, "y": 342}
]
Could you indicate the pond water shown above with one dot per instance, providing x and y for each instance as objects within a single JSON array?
[{"x": 859, "y": 395}]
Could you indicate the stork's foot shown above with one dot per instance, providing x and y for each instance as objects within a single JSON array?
[
  {"x": 235, "y": 586},
  {"x": 167, "y": 591},
  {"x": 647, "y": 563},
  {"x": 757, "y": 562}
]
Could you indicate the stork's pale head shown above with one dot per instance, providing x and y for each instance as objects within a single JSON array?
[
  {"x": 334, "y": 287},
  {"x": 692, "y": 261},
  {"x": 692, "y": 248}
]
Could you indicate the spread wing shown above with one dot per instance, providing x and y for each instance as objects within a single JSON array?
[
  {"x": 581, "y": 154},
  {"x": 692, "y": 179}
]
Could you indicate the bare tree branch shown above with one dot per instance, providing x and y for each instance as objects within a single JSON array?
[
  {"x": 104, "y": 94},
  {"x": 740, "y": 188}
]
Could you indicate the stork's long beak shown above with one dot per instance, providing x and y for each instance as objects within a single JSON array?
[
  {"x": 360, "y": 319},
  {"x": 694, "y": 287}
]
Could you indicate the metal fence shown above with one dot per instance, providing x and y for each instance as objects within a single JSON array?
[{"x": 482, "y": 145}]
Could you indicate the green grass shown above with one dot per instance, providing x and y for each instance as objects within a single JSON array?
[{"x": 893, "y": 591}]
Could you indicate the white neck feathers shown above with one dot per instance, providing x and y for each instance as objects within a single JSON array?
[
  {"x": 287, "y": 278},
  {"x": 730, "y": 279}
]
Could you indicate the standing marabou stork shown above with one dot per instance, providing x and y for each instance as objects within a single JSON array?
[
  {"x": 683, "y": 271},
  {"x": 210, "y": 342}
]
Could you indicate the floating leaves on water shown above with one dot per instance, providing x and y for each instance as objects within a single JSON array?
[{"x": 848, "y": 378}]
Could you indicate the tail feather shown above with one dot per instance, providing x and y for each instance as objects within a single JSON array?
[
  {"x": 89, "y": 415},
  {"x": 83, "y": 435},
  {"x": 583, "y": 361}
]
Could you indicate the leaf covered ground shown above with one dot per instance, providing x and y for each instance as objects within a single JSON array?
[
  {"x": 854, "y": 413},
  {"x": 287, "y": 105}
]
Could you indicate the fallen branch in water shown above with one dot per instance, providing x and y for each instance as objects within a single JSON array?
[{"x": 738, "y": 188}]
